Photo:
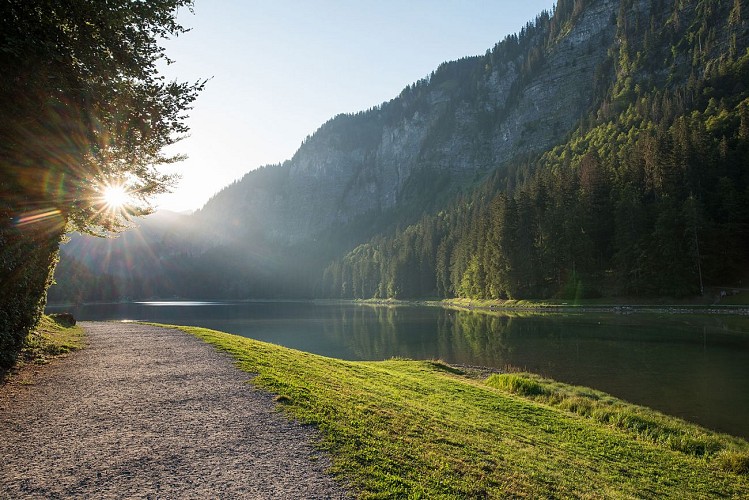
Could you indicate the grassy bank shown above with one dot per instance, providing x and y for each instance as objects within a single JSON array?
[
  {"x": 420, "y": 429},
  {"x": 50, "y": 339}
]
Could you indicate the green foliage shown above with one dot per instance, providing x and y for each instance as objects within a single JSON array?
[
  {"x": 82, "y": 106},
  {"x": 27, "y": 258},
  {"x": 412, "y": 429}
]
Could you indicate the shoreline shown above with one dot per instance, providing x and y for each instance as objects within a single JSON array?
[
  {"x": 622, "y": 307},
  {"x": 545, "y": 307}
]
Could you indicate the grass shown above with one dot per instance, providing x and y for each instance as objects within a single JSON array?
[
  {"x": 420, "y": 429},
  {"x": 642, "y": 423},
  {"x": 51, "y": 338}
]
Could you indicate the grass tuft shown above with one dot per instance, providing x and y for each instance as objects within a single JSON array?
[
  {"x": 517, "y": 384},
  {"x": 734, "y": 461}
]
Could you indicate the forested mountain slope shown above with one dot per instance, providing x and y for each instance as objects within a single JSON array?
[
  {"x": 575, "y": 157},
  {"x": 649, "y": 196}
]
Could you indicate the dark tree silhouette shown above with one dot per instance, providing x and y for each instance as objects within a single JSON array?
[{"x": 82, "y": 107}]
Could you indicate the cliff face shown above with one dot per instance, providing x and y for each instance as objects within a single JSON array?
[
  {"x": 469, "y": 117},
  {"x": 562, "y": 91}
]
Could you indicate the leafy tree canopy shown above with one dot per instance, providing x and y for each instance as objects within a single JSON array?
[
  {"x": 83, "y": 111},
  {"x": 83, "y": 106}
]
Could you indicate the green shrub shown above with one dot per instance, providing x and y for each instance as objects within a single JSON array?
[{"x": 28, "y": 254}]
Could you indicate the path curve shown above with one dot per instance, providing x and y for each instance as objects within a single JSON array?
[{"x": 149, "y": 412}]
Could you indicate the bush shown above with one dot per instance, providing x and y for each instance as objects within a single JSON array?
[{"x": 28, "y": 254}]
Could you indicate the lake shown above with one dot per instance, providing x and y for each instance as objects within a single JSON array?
[{"x": 692, "y": 366}]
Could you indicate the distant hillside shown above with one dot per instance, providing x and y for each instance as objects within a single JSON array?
[
  {"x": 134, "y": 264},
  {"x": 530, "y": 109}
]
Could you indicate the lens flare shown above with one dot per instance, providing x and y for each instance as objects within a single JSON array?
[
  {"x": 115, "y": 196},
  {"x": 36, "y": 216}
]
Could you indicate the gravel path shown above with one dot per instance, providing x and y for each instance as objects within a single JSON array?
[{"x": 148, "y": 412}]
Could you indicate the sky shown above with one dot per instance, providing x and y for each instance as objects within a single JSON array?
[{"x": 279, "y": 69}]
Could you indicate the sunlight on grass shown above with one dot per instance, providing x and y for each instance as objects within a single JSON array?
[
  {"x": 415, "y": 429},
  {"x": 642, "y": 422},
  {"x": 51, "y": 338}
]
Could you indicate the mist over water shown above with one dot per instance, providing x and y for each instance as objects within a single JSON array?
[{"x": 693, "y": 367}]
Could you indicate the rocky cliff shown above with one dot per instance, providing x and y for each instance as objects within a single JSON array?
[{"x": 467, "y": 118}]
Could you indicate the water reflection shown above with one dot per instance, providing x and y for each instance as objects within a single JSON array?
[
  {"x": 181, "y": 303},
  {"x": 695, "y": 367}
]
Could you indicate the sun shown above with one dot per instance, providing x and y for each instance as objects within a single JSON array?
[{"x": 115, "y": 196}]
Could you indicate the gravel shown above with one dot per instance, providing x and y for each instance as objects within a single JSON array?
[{"x": 149, "y": 412}]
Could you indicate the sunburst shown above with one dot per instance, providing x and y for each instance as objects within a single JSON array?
[{"x": 115, "y": 196}]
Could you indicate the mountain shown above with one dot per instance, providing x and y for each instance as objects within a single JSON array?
[
  {"x": 474, "y": 128},
  {"x": 649, "y": 196},
  {"x": 152, "y": 238},
  {"x": 467, "y": 118}
]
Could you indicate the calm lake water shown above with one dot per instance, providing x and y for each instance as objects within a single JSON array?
[{"x": 694, "y": 367}]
